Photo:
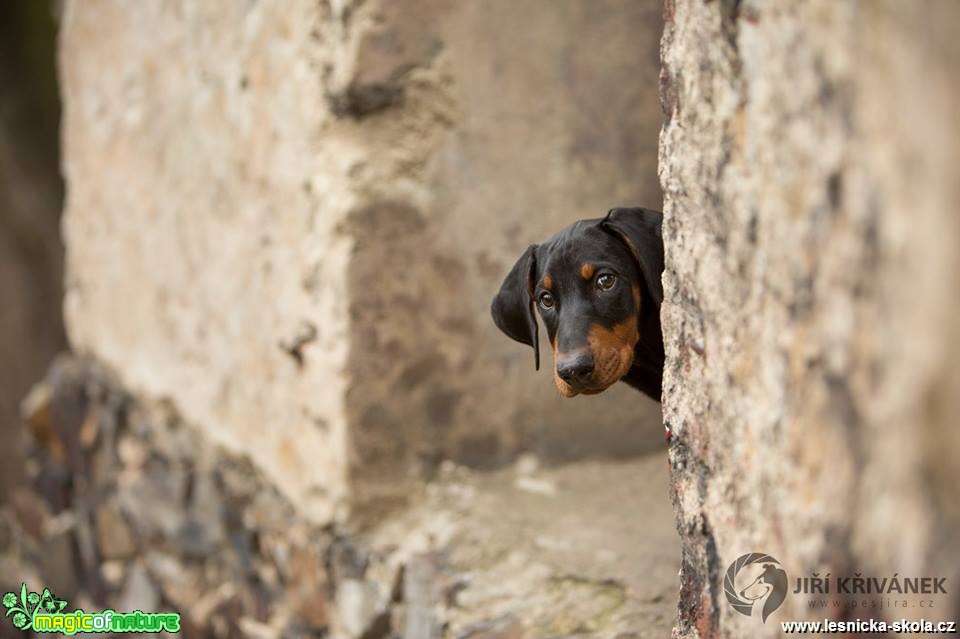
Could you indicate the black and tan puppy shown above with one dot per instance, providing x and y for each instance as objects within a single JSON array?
[{"x": 596, "y": 285}]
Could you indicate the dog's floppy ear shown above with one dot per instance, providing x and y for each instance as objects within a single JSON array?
[
  {"x": 639, "y": 229},
  {"x": 512, "y": 308}
]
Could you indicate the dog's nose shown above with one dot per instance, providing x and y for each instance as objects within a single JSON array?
[{"x": 576, "y": 370}]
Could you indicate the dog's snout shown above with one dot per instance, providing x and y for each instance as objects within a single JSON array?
[{"x": 576, "y": 369}]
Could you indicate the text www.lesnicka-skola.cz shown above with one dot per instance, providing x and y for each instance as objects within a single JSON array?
[{"x": 867, "y": 626}]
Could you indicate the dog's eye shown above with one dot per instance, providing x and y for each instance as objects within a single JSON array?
[
  {"x": 606, "y": 281},
  {"x": 546, "y": 300}
]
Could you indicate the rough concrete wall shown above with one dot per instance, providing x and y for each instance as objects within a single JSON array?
[
  {"x": 809, "y": 171},
  {"x": 201, "y": 207},
  {"x": 313, "y": 202}
]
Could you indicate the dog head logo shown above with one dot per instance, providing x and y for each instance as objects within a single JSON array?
[{"x": 755, "y": 585}]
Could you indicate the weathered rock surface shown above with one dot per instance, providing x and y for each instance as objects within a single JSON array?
[
  {"x": 813, "y": 260},
  {"x": 288, "y": 219},
  {"x": 132, "y": 508}
]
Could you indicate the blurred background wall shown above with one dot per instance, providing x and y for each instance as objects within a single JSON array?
[
  {"x": 283, "y": 227},
  {"x": 288, "y": 219},
  {"x": 31, "y": 195}
]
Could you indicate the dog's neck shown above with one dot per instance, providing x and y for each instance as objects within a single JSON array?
[{"x": 648, "y": 358}]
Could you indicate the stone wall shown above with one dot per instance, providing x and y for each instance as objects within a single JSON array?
[
  {"x": 808, "y": 163},
  {"x": 288, "y": 219}
]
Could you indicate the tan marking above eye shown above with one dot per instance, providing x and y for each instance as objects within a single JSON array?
[
  {"x": 586, "y": 271},
  {"x": 547, "y": 281}
]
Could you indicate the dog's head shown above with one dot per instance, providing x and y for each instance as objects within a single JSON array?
[{"x": 591, "y": 283}]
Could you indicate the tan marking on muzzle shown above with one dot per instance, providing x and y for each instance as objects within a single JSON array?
[
  {"x": 565, "y": 389},
  {"x": 612, "y": 352}
]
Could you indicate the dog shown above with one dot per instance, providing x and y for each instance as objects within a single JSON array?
[
  {"x": 596, "y": 286},
  {"x": 766, "y": 592}
]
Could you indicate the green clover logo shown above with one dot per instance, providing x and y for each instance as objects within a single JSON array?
[
  {"x": 53, "y": 606},
  {"x": 51, "y": 603},
  {"x": 26, "y": 607}
]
